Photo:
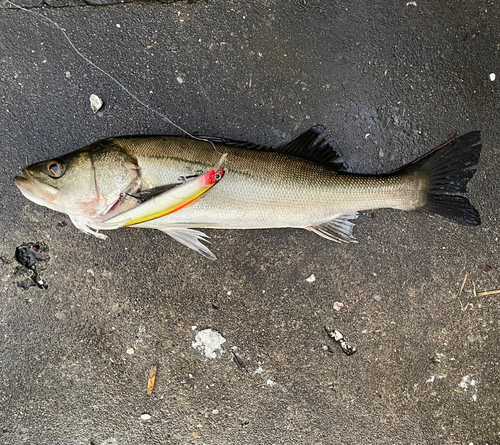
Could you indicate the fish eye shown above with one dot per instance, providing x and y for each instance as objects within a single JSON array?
[
  {"x": 55, "y": 168},
  {"x": 217, "y": 176}
]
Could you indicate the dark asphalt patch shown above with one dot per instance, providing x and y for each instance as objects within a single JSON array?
[{"x": 32, "y": 257}]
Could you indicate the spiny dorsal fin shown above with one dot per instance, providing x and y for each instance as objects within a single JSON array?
[
  {"x": 338, "y": 229},
  {"x": 309, "y": 146}
]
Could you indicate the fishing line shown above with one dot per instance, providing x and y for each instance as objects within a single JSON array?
[{"x": 132, "y": 95}]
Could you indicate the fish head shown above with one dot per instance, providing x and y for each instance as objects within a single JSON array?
[{"x": 85, "y": 183}]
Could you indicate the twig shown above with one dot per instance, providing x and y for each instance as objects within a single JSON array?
[{"x": 474, "y": 291}]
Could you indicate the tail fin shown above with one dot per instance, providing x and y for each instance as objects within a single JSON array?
[{"x": 449, "y": 170}]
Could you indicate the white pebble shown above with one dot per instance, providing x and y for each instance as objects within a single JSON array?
[
  {"x": 96, "y": 103},
  {"x": 145, "y": 417},
  {"x": 118, "y": 25},
  {"x": 311, "y": 279},
  {"x": 180, "y": 79},
  {"x": 493, "y": 76},
  {"x": 338, "y": 305},
  {"x": 130, "y": 351},
  {"x": 68, "y": 74}
]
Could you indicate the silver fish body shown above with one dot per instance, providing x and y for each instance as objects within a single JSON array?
[
  {"x": 264, "y": 189},
  {"x": 301, "y": 184}
]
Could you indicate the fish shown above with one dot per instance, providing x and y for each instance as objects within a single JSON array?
[{"x": 301, "y": 184}]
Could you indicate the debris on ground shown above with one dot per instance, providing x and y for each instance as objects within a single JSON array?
[
  {"x": 337, "y": 305},
  {"x": 432, "y": 378},
  {"x": 474, "y": 291},
  {"x": 209, "y": 343},
  {"x": 96, "y": 103},
  {"x": 277, "y": 386},
  {"x": 146, "y": 417},
  {"x": 311, "y": 279},
  {"x": 339, "y": 338},
  {"x": 237, "y": 359},
  {"x": 468, "y": 384},
  {"x": 259, "y": 370},
  {"x": 152, "y": 379},
  {"x": 30, "y": 256}
]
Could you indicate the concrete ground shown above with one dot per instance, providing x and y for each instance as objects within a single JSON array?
[{"x": 389, "y": 80}]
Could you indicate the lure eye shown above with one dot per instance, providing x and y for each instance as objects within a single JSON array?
[
  {"x": 217, "y": 176},
  {"x": 55, "y": 168}
]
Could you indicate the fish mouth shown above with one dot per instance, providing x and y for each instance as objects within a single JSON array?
[{"x": 31, "y": 188}]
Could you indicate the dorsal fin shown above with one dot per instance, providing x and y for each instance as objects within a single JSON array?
[{"x": 309, "y": 145}]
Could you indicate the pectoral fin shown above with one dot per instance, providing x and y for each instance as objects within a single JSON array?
[
  {"x": 338, "y": 229},
  {"x": 193, "y": 239}
]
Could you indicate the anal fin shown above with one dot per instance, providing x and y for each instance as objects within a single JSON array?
[
  {"x": 338, "y": 229},
  {"x": 192, "y": 239}
]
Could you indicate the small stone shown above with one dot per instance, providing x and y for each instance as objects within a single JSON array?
[
  {"x": 337, "y": 305},
  {"x": 118, "y": 25},
  {"x": 180, "y": 79},
  {"x": 145, "y": 417},
  {"x": 493, "y": 76},
  {"x": 215, "y": 411},
  {"x": 377, "y": 297},
  {"x": 96, "y": 103},
  {"x": 68, "y": 74},
  {"x": 130, "y": 351},
  {"x": 311, "y": 279}
]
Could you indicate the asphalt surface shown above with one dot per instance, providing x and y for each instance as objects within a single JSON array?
[{"x": 389, "y": 80}]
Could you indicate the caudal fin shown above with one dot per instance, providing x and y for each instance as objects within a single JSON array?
[{"x": 449, "y": 169}]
